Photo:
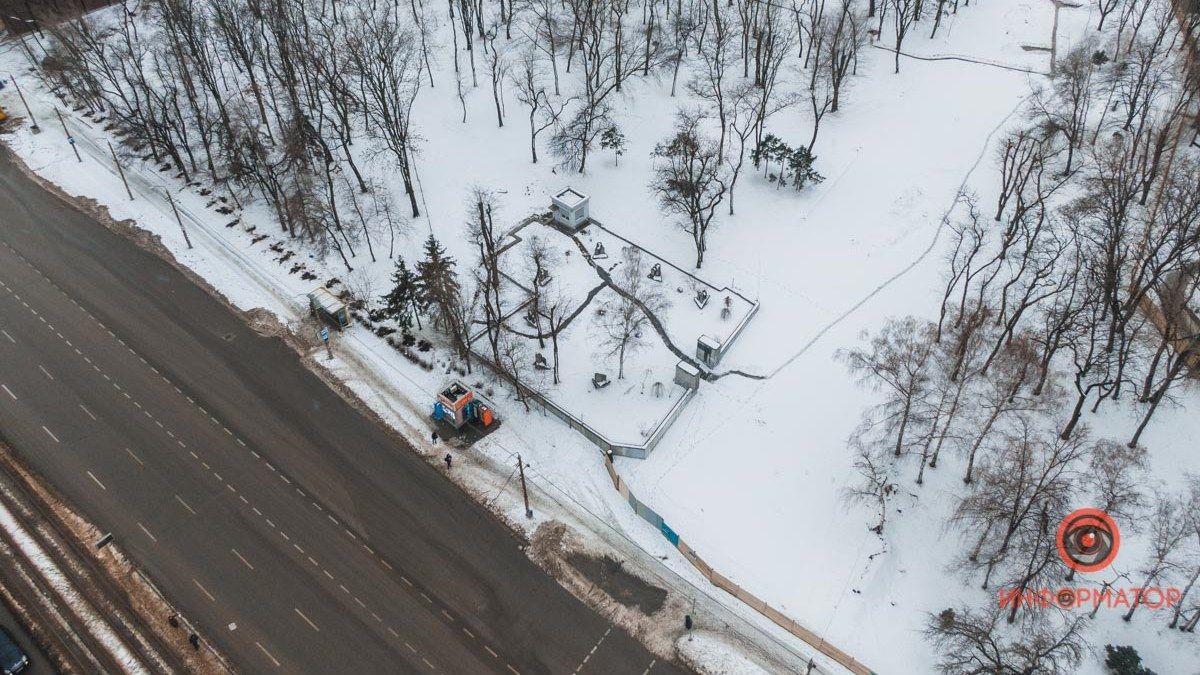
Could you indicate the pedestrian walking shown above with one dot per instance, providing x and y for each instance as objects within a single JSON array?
[
  {"x": 448, "y": 460},
  {"x": 434, "y": 437},
  {"x": 195, "y": 641}
]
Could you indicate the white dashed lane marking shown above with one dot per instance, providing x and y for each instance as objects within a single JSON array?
[
  {"x": 205, "y": 590},
  {"x": 267, "y": 653},
  {"x": 243, "y": 559},
  {"x": 228, "y": 432},
  {"x": 307, "y": 620}
]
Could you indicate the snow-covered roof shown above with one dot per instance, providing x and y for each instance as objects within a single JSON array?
[
  {"x": 687, "y": 368},
  {"x": 455, "y": 391},
  {"x": 326, "y": 300},
  {"x": 709, "y": 342},
  {"x": 570, "y": 198}
]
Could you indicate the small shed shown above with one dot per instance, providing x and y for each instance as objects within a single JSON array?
[
  {"x": 329, "y": 308},
  {"x": 687, "y": 375},
  {"x": 571, "y": 208},
  {"x": 708, "y": 351}
]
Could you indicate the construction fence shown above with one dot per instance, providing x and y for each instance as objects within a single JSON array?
[{"x": 724, "y": 583}]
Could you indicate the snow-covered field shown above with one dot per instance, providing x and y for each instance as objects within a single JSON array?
[{"x": 752, "y": 473}]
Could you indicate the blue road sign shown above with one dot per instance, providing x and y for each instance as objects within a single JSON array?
[
  {"x": 324, "y": 334},
  {"x": 71, "y": 140}
]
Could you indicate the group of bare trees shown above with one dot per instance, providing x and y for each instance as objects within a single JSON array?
[
  {"x": 268, "y": 97},
  {"x": 263, "y": 98},
  {"x": 1077, "y": 290}
]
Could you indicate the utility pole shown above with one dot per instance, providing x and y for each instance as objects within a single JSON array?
[
  {"x": 524, "y": 490},
  {"x": 70, "y": 138},
  {"x": 177, "y": 218},
  {"x": 120, "y": 170},
  {"x": 33, "y": 125}
]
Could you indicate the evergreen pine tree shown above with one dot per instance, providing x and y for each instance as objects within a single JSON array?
[
  {"x": 403, "y": 302},
  {"x": 801, "y": 161},
  {"x": 1124, "y": 660},
  {"x": 437, "y": 281}
]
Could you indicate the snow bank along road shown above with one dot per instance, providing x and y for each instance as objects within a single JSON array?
[{"x": 299, "y": 535}]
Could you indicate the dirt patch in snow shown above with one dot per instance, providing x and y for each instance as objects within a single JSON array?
[
  {"x": 555, "y": 547},
  {"x": 609, "y": 574}
]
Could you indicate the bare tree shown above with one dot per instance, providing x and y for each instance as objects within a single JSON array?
[
  {"x": 490, "y": 281},
  {"x": 897, "y": 363},
  {"x": 621, "y": 317},
  {"x": 973, "y": 642},
  {"x": 1003, "y": 396},
  {"x": 388, "y": 72},
  {"x": 844, "y": 35},
  {"x": 904, "y": 14},
  {"x": 498, "y": 66},
  {"x": 1192, "y": 512},
  {"x": 874, "y": 484},
  {"x": 527, "y": 80},
  {"x": 1170, "y": 525},
  {"x": 1028, "y": 473},
  {"x": 690, "y": 178},
  {"x": 1066, "y": 107},
  {"x": 1116, "y": 472}
]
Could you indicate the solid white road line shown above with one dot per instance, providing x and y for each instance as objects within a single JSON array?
[
  {"x": 93, "y": 477},
  {"x": 264, "y": 651},
  {"x": 185, "y": 504},
  {"x": 50, "y": 434},
  {"x": 244, "y": 561},
  {"x": 152, "y": 537},
  {"x": 306, "y": 619},
  {"x": 202, "y": 588},
  {"x": 8, "y": 391}
]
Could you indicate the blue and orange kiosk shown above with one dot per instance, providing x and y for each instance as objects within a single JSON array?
[{"x": 458, "y": 405}]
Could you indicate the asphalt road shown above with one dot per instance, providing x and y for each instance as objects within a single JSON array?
[
  {"x": 39, "y": 661},
  {"x": 299, "y": 535}
]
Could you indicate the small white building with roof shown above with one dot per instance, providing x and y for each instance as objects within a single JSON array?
[{"x": 571, "y": 208}]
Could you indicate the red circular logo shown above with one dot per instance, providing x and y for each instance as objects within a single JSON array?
[{"x": 1088, "y": 540}]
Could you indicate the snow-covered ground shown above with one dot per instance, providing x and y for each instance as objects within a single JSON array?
[
  {"x": 632, "y": 407},
  {"x": 751, "y": 474}
]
